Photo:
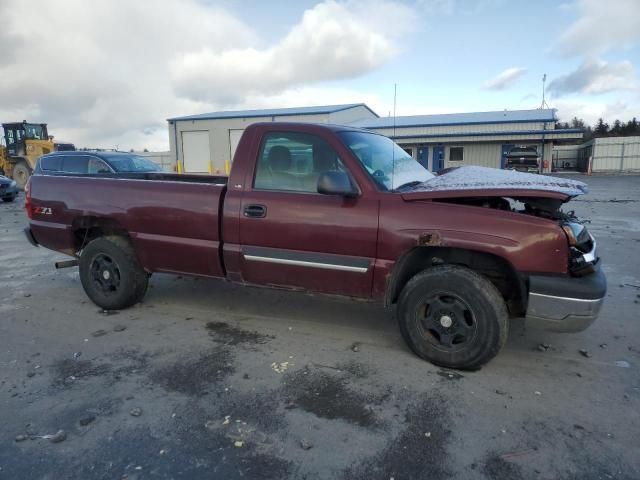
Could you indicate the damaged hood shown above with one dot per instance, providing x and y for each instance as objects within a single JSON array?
[{"x": 467, "y": 181}]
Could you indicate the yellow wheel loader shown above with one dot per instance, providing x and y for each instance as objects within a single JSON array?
[{"x": 24, "y": 143}]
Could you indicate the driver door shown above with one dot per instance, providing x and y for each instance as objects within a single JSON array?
[{"x": 291, "y": 236}]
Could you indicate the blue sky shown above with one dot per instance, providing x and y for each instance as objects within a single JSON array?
[
  {"x": 451, "y": 48},
  {"x": 121, "y": 68}
]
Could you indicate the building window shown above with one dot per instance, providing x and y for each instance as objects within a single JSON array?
[
  {"x": 409, "y": 151},
  {"x": 456, "y": 154}
]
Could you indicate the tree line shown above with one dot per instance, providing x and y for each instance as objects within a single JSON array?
[{"x": 603, "y": 129}]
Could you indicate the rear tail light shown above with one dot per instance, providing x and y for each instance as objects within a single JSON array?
[{"x": 27, "y": 199}]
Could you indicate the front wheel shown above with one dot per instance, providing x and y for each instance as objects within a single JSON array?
[
  {"x": 21, "y": 173},
  {"x": 453, "y": 317},
  {"x": 111, "y": 274}
]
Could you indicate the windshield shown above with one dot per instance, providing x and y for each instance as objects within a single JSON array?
[
  {"x": 34, "y": 132},
  {"x": 132, "y": 163},
  {"x": 388, "y": 164}
]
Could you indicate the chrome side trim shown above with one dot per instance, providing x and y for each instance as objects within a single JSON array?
[
  {"x": 302, "y": 263},
  {"x": 569, "y": 299}
]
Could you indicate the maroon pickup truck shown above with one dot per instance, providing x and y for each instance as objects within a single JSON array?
[{"x": 336, "y": 210}]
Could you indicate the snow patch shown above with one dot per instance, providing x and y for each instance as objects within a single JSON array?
[{"x": 484, "y": 178}]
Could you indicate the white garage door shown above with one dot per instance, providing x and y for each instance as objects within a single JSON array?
[
  {"x": 234, "y": 139},
  {"x": 195, "y": 151}
]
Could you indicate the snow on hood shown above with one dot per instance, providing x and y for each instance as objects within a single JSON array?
[{"x": 484, "y": 178}]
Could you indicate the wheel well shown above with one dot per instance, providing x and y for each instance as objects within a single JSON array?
[
  {"x": 497, "y": 270},
  {"x": 89, "y": 228}
]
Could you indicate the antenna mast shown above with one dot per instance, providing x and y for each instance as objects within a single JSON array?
[
  {"x": 395, "y": 91},
  {"x": 544, "y": 102},
  {"x": 393, "y": 148}
]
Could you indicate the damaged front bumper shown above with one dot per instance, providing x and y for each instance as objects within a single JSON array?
[{"x": 566, "y": 304}]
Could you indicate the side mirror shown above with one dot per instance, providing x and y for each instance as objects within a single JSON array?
[{"x": 336, "y": 183}]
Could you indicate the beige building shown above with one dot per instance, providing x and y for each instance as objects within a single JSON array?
[
  {"x": 607, "y": 155},
  {"x": 206, "y": 143},
  {"x": 477, "y": 138}
]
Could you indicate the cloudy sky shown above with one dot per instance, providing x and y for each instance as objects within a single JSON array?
[{"x": 109, "y": 72}]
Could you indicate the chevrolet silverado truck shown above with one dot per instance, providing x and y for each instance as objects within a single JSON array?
[{"x": 338, "y": 210}]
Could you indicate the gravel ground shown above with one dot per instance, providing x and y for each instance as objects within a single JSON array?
[{"x": 209, "y": 380}]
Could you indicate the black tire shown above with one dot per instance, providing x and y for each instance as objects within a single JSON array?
[
  {"x": 453, "y": 317},
  {"x": 8, "y": 199},
  {"x": 111, "y": 274}
]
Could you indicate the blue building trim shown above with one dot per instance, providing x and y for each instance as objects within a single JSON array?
[
  {"x": 453, "y": 124},
  {"x": 491, "y": 134}
]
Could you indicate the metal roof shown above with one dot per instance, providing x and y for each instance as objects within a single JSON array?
[
  {"x": 271, "y": 112},
  {"x": 472, "y": 118}
]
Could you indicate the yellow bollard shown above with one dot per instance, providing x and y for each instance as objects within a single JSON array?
[
  {"x": 210, "y": 167},
  {"x": 179, "y": 167},
  {"x": 227, "y": 167}
]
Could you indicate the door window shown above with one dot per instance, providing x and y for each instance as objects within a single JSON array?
[
  {"x": 294, "y": 162},
  {"x": 51, "y": 164},
  {"x": 75, "y": 164},
  {"x": 97, "y": 166}
]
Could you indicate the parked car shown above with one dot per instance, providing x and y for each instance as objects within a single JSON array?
[
  {"x": 8, "y": 189},
  {"x": 523, "y": 159},
  {"x": 460, "y": 254},
  {"x": 98, "y": 162}
]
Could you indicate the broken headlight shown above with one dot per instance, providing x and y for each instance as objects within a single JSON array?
[{"x": 582, "y": 248}]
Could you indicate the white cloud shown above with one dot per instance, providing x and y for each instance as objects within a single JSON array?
[
  {"x": 333, "y": 41},
  {"x": 450, "y": 7},
  {"x": 311, "y": 95},
  {"x": 102, "y": 73},
  {"x": 590, "y": 111},
  {"x": 504, "y": 79},
  {"x": 437, "y": 7},
  {"x": 601, "y": 26},
  {"x": 595, "y": 77}
]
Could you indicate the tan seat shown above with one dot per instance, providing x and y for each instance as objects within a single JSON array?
[
  {"x": 324, "y": 160},
  {"x": 277, "y": 172}
]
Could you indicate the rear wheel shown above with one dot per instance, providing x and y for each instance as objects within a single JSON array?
[
  {"x": 111, "y": 274},
  {"x": 453, "y": 317},
  {"x": 21, "y": 174}
]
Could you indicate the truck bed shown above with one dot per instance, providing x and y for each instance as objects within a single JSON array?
[{"x": 173, "y": 220}]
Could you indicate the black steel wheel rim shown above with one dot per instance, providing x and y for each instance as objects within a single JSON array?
[
  {"x": 446, "y": 321},
  {"x": 105, "y": 274}
]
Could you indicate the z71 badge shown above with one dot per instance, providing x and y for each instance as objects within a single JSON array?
[{"x": 42, "y": 211}]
